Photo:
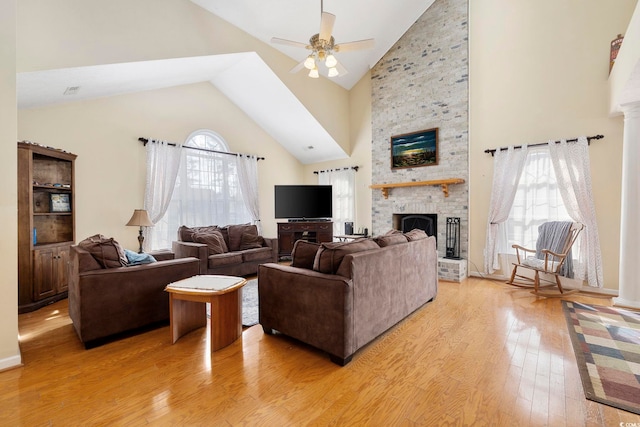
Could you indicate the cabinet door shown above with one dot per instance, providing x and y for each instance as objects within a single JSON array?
[
  {"x": 44, "y": 264},
  {"x": 62, "y": 270}
]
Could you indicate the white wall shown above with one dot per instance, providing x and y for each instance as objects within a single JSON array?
[
  {"x": 9, "y": 350},
  {"x": 538, "y": 71}
]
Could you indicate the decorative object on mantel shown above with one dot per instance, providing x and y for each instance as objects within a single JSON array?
[
  {"x": 444, "y": 183},
  {"x": 615, "y": 47},
  {"x": 540, "y": 144},
  {"x": 140, "y": 218},
  {"x": 414, "y": 149}
]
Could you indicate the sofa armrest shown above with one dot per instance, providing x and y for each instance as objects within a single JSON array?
[
  {"x": 272, "y": 242},
  {"x": 313, "y": 307},
  {"x": 192, "y": 249}
]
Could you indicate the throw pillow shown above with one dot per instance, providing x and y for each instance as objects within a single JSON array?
[
  {"x": 185, "y": 233},
  {"x": 135, "y": 258},
  {"x": 250, "y": 239},
  {"x": 214, "y": 241},
  {"x": 330, "y": 255},
  {"x": 304, "y": 253},
  {"x": 392, "y": 237},
  {"x": 106, "y": 251},
  {"x": 415, "y": 234},
  {"x": 236, "y": 232}
]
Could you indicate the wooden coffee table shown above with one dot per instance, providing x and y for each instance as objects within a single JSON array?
[{"x": 188, "y": 311}]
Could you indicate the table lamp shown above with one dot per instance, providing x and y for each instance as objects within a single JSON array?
[{"x": 141, "y": 219}]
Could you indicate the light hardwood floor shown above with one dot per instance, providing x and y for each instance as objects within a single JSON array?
[{"x": 483, "y": 353}]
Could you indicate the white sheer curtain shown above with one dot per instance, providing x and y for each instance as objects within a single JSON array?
[
  {"x": 207, "y": 192},
  {"x": 572, "y": 168},
  {"x": 163, "y": 163},
  {"x": 507, "y": 168},
  {"x": 343, "y": 182},
  {"x": 248, "y": 175}
]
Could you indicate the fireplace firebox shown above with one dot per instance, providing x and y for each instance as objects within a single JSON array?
[{"x": 426, "y": 222}]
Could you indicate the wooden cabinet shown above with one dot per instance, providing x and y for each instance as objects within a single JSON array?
[
  {"x": 290, "y": 232},
  {"x": 46, "y": 224}
]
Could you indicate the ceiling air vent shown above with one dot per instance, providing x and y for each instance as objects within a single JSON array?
[{"x": 71, "y": 90}]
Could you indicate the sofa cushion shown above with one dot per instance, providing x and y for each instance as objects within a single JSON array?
[
  {"x": 214, "y": 241},
  {"x": 250, "y": 239},
  {"x": 329, "y": 255},
  {"x": 236, "y": 232},
  {"x": 392, "y": 237},
  {"x": 228, "y": 258},
  {"x": 185, "y": 233},
  {"x": 256, "y": 254},
  {"x": 415, "y": 234},
  {"x": 106, "y": 251},
  {"x": 304, "y": 253}
]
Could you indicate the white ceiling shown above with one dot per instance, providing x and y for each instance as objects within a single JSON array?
[{"x": 243, "y": 77}]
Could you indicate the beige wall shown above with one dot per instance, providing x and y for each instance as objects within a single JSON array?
[
  {"x": 359, "y": 153},
  {"x": 9, "y": 351},
  {"x": 538, "y": 71}
]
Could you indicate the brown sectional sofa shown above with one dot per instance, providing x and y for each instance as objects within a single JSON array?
[
  {"x": 233, "y": 250},
  {"x": 338, "y": 297},
  {"x": 105, "y": 302}
]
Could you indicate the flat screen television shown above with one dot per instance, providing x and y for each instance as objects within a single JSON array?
[{"x": 300, "y": 202}]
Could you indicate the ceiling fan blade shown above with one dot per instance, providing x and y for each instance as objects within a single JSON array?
[
  {"x": 286, "y": 42},
  {"x": 326, "y": 25},
  {"x": 341, "y": 69},
  {"x": 297, "y": 68},
  {"x": 357, "y": 45}
]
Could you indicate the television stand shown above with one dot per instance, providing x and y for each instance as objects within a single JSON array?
[{"x": 311, "y": 231}]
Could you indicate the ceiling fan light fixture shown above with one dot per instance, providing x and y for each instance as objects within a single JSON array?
[
  {"x": 313, "y": 73},
  {"x": 310, "y": 62},
  {"x": 331, "y": 61},
  {"x": 333, "y": 72}
]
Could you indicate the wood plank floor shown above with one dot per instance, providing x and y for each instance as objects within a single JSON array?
[{"x": 483, "y": 353}]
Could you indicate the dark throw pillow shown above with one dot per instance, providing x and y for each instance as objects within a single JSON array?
[
  {"x": 250, "y": 239},
  {"x": 415, "y": 234},
  {"x": 329, "y": 255},
  {"x": 303, "y": 254},
  {"x": 106, "y": 251},
  {"x": 214, "y": 241}
]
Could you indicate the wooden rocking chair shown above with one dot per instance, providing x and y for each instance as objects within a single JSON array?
[{"x": 550, "y": 261}]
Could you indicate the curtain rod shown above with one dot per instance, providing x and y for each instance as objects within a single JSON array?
[
  {"x": 146, "y": 140},
  {"x": 589, "y": 138},
  {"x": 355, "y": 168}
]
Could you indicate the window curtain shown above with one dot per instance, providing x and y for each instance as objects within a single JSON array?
[
  {"x": 572, "y": 169},
  {"x": 248, "y": 176},
  {"x": 343, "y": 182},
  {"x": 207, "y": 192},
  {"x": 507, "y": 168},
  {"x": 163, "y": 163}
]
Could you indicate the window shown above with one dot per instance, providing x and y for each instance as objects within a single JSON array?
[
  {"x": 343, "y": 193},
  {"x": 207, "y": 189},
  {"x": 537, "y": 200}
]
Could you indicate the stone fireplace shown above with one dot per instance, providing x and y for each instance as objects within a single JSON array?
[{"x": 422, "y": 83}]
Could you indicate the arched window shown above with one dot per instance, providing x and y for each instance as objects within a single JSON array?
[{"x": 207, "y": 190}]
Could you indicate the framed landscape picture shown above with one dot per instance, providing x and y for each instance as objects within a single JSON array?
[
  {"x": 414, "y": 149},
  {"x": 60, "y": 202}
]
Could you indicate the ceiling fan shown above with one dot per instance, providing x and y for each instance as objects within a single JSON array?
[{"x": 323, "y": 46}]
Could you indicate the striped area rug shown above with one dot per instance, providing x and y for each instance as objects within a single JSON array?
[{"x": 606, "y": 342}]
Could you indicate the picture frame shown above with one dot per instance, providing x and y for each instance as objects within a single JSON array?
[
  {"x": 415, "y": 149},
  {"x": 59, "y": 202}
]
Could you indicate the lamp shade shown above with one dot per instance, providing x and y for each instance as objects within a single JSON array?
[{"x": 140, "y": 218}]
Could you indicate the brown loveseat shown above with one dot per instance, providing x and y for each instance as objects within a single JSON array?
[
  {"x": 104, "y": 302},
  {"x": 233, "y": 250},
  {"x": 340, "y": 296}
]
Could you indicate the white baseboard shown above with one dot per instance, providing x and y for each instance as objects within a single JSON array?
[
  {"x": 10, "y": 362},
  {"x": 567, "y": 285}
]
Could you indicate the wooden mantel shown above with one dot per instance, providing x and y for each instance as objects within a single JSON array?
[{"x": 444, "y": 183}]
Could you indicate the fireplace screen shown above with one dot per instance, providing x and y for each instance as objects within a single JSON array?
[{"x": 426, "y": 222}]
